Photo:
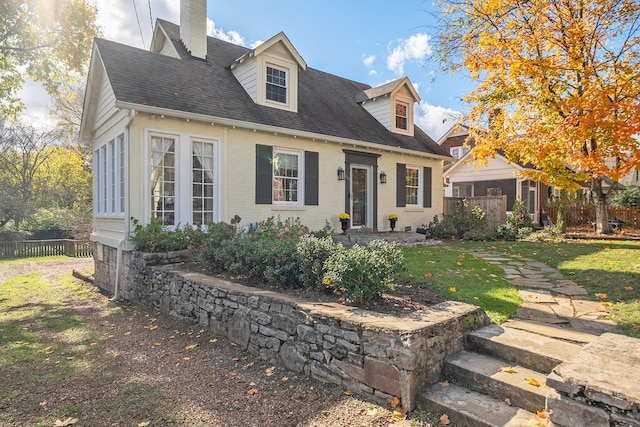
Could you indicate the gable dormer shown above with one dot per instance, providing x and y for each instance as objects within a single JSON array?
[
  {"x": 161, "y": 42},
  {"x": 269, "y": 73},
  {"x": 392, "y": 104}
]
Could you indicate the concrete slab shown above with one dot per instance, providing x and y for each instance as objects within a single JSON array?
[
  {"x": 583, "y": 307},
  {"x": 552, "y": 331},
  {"x": 536, "y": 296},
  {"x": 608, "y": 366},
  {"x": 593, "y": 326}
]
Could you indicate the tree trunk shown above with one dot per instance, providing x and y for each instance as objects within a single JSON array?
[{"x": 600, "y": 199}]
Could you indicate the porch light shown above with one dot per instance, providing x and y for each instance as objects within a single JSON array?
[
  {"x": 383, "y": 178},
  {"x": 340, "y": 174}
]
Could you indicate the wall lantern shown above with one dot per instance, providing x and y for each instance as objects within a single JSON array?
[
  {"x": 340, "y": 174},
  {"x": 383, "y": 178}
]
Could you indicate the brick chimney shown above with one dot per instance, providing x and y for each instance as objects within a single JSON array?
[{"x": 193, "y": 27}]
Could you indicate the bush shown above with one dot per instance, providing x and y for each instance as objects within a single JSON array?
[
  {"x": 363, "y": 273},
  {"x": 157, "y": 237},
  {"x": 462, "y": 223},
  {"x": 550, "y": 233},
  {"x": 627, "y": 198},
  {"x": 313, "y": 252}
]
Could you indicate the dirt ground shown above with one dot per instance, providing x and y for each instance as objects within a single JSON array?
[{"x": 135, "y": 367}]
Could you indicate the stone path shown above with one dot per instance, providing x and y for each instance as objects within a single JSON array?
[{"x": 551, "y": 305}]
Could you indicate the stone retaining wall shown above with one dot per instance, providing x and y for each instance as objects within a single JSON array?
[{"x": 372, "y": 355}]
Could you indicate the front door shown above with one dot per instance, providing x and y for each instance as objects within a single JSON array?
[{"x": 361, "y": 212}]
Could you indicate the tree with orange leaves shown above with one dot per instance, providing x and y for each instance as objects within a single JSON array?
[{"x": 562, "y": 81}]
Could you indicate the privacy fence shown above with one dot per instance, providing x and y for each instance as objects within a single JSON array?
[
  {"x": 494, "y": 206},
  {"x": 582, "y": 215},
  {"x": 42, "y": 248}
]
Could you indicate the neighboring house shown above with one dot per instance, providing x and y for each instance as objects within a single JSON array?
[
  {"x": 464, "y": 178},
  {"x": 198, "y": 130}
]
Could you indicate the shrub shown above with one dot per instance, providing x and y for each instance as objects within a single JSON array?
[
  {"x": 462, "y": 223},
  {"x": 506, "y": 232},
  {"x": 627, "y": 198},
  {"x": 363, "y": 273},
  {"x": 157, "y": 237},
  {"x": 549, "y": 234},
  {"x": 313, "y": 252}
]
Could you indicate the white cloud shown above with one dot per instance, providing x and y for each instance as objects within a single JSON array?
[
  {"x": 415, "y": 48},
  {"x": 367, "y": 60},
  {"x": 38, "y": 104},
  {"x": 434, "y": 120}
]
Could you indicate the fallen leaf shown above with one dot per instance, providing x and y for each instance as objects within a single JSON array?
[
  {"x": 444, "y": 419},
  {"x": 269, "y": 371},
  {"x": 452, "y": 289},
  {"x": 232, "y": 374},
  {"x": 116, "y": 354},
  {"x": 43, "y": 403},
  {"x": 428, "y": 275},
  {"x": 236, "y": 359},
  {"x": 128, "y": 333},
  {"x": 153, "y": 327},
  {"x": 144, "y": 424},
  {"x": 508, "y": 370},
  {"x": 68, "y": 422},
  {"x": 606, "y": 303},
  {"x": 628, "y": 288},
  {"x": 187, "y": 358},
  {"x": 507, "y": 401},
  {"x": 252, "y": 391},
  {"x": 213, "y": 340},
  {"x": 190, "y": 346},
  {"x": 399, "y": 414},
  {"x": 459, "y": 264},
  {"x": 348, "y": 393},
  {"x": 285, "y": 379},
  {"x": 444, "y": 383},
  {"x": 601, "y": 295},
  {"x": 542, "y": 415},
  {"x": 157, "y": 344},
  {"x": 395, "y": 402},
  {"x": 533, "y": 382}
]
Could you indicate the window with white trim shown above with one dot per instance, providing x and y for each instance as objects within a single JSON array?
[
  {"x": 109, "y": 177},
  {"x": 413, "y": 181},
  {"x": 402, "y": 116},
  {"x": 287, "y": 166},
  {"x": 202, "y": 182},
  {"x": 276, "y": 85},
  {"x": 163, "y": 179},
  {"x": 458, "y": 152}
]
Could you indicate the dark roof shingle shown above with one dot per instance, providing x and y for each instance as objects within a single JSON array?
[{"x": 326, "y": 103}]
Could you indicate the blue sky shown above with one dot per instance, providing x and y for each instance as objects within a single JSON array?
[{"x": 371, "y": 41}]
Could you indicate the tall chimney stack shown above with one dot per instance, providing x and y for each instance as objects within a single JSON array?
[{"x": 193, "y": 27}]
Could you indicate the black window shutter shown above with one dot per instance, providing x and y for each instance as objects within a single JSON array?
[
  {"x": 428, "y": 187},
  {"x": 311, "y": 171},
  {"x": 264, "y": 174},
  {"x": 401, "y": 185}
]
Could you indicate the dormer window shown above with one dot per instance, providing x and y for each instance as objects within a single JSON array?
[
  {"x": 276, "y": 89},
  {"x": 402, "y": 116}
]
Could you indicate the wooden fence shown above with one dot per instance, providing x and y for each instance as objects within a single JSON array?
[
  {"x": 42, "y": 248},
  {"x": 581, "y": 215},
  {"x": 494, "y": 206}
]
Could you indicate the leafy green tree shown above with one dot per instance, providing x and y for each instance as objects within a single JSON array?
[
  {"x": 561, "y": 80},
  {"x": 43, "y": 40},
  {"x": 627, "y": 198}
]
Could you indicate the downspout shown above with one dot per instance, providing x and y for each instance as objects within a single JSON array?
[{"x": 127, "y": 221}]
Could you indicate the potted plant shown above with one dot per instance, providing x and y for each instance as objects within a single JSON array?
[
  {"x": 392, "y": 221},
  {"x": 344, "y": 221}
]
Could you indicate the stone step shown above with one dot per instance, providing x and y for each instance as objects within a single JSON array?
[
  {"x": 551, "y": 331},
  {"x": 483, "y": 374},
  {"x": 533, "y": 351},
  {"x": 468, "y": 408}
]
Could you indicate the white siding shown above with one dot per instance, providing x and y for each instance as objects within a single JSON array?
[
  {"x": 168, "y": 49},
  {"x": 380, "y": 108},
  {"x": 106, "y": 103},
  {"x": 246, "y": 74}
]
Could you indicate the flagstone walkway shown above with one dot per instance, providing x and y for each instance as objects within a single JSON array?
[{"x": 551, "y": 305}]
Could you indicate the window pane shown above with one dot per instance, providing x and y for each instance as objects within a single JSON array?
[
  {"x": 202, "y": 165},
  {"x": 163, "y": 179},
  {"x": 276, "y": 89},
  {"x": 401, "y": 116},
  {"x": 413, "y": 186},
  {"x": 285, "y": 177}
]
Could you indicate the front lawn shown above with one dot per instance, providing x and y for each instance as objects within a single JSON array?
[{"x": 608, "y": 270}]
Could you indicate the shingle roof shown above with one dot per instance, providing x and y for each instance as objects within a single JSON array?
[{"x": 326, "y": 103}]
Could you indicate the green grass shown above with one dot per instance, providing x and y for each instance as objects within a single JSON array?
[
  {"x": 459, "y": 276},
  {"x": 601, "y": 267}
]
